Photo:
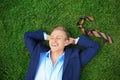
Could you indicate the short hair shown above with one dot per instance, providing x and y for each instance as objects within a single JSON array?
[{"x": 62, "y": 28}]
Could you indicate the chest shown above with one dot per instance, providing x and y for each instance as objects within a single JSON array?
[{"x": 46, "y": 70}]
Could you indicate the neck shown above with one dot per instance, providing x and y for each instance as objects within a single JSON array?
[{"x": 55, "y": 55}]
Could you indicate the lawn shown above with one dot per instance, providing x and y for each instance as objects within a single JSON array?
[{"x": 20, "y": 16}]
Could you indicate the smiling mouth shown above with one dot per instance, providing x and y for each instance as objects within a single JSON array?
[{"x": 54, "y": 45}]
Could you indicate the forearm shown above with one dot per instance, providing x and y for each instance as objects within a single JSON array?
[
  {"x": 90, "y": 49},
  {"x": 86, "y": 42},
  {"x": 36, "y": 35},
  {"x": 32, "y": 39}
]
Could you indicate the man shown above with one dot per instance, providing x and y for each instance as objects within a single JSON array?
[{"x": 57, "y": 61}]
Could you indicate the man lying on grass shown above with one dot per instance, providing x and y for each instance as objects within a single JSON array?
[{"x": 57, "y": 61}]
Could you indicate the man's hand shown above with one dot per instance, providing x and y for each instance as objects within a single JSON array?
[
  {"x": 71, "y": 41},
  {"x": 48, "y": 37}
]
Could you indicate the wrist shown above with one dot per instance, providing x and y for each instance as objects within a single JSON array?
[{"x": 48, "y": 37}]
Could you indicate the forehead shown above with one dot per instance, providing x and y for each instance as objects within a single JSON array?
[{"x": 58, "y": 33}]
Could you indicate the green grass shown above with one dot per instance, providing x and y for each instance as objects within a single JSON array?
[{"x": 20, "y": 16}]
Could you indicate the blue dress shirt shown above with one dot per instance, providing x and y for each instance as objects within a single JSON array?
[{"x": 46, "y": 71}]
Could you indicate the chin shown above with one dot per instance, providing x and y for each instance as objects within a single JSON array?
[{"x": 52, "y": 49}]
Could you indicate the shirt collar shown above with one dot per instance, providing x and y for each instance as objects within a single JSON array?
[{"x": 60, "y": 58}]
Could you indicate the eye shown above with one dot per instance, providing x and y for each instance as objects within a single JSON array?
[{"x": 59, "y": 38}]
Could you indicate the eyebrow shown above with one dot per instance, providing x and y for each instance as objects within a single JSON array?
[{"x": 57, "y": 35}]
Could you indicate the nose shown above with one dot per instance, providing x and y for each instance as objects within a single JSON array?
[{"x": 55, "y": 39}]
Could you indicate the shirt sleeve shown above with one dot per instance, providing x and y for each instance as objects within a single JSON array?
[
  {"x": 45, "y": 35},
  {"x": 76, "y": 40}
]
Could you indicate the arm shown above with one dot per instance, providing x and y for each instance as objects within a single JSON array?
[
  {"x": 90, "y": 48},
  {"x": 32, "y": 39}
]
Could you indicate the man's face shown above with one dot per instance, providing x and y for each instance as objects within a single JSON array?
[{"x": 58, "y": 40}]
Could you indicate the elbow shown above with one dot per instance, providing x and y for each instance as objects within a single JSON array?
[{"x": 26, "y": 34}]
